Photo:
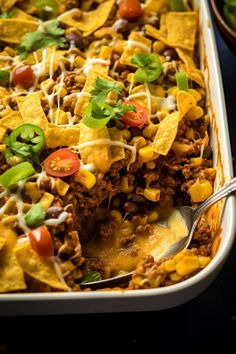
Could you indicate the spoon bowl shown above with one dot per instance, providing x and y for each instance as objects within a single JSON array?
[{"x": 191, "y": 217}]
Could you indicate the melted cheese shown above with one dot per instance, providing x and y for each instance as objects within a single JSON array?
[
  {"x": 90, "y": 62},
  {"x": 131, "y": 43}
]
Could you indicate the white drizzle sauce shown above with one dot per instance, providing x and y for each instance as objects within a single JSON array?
[
  {"x": 56, "y": 221},
  {"x": 167, "y": 102},
  {"x": 56, "y": 264},
  {"x": 90, "y": 62},
  {"x": 131, "y": 43},
  {"x": 119, "y": 24}
]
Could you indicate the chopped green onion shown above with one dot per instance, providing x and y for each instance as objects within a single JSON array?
[
  {"x": 150, "y": 67},
  {"x": 4, "y": 78},
  {"x": 182, "y": 81},
  {"x": 16, "y": 174},
  {"x": 97, "y": 115},
  {"x": 35, "y": 216},
  {"x": 90, "y": 277},
  {"x": 177, "y": 5}
]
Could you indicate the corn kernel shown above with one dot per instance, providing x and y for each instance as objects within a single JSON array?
[
  {"x": 181, "y": 147},
  {"x": 197, "y": 161},
  {"x": 172, "y": 91},
  {"x": 2, "y": 147},
  {"x": 204, "y": 261},
  {"x": 33, "y": 191},
  {"x": 10, "y": 51},
  {"x": 46, "y": 200},
  {"x": 150, "y": 130},
  {"x": 158, "y": 47},
  {"x": 126, "y": 229},
  {"x": 175, "y": 277},
  {"x": 116, "y": 214},
  {"x": 126, "y": 134},
  {"x": 157, "y": 91},
  {"x": 200, "y": 191},
  {"x": 152, "y": 194},
  {"x": 130, "y": 77},
  {"x": 170, "y": 265},
  {"x": 146, "y": 152},
  {"x": 119, "y": 46},
  {"x": 153, "y": 216},
  {"x": 187, "y": 265},
  {"x": 190, "y": 134},
  {"x": 79, "y": 62},
  {"x": 86, "y": 178},
  {"x": 151, "y": 165},
  {"x": 162, "y": 59},
  {"x": 139, "y": 141},
  {"x": 124, "y": 184},
  {"x": 61, "y": 90},
  {"x": 47, "y": 84},
  {"x": 61, "y": 187}
]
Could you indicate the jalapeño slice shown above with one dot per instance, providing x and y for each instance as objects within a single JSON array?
[{"x": 27, "y": 136}]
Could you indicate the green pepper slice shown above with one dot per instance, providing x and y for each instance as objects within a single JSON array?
[
  {"x": 16, "y": 174},
  {"x": 4, "y": 78},
  {"x": 27, "y": 140},
  {"x": 182, "y": 81},
  {"x": 97, "y": 115},
  {"x": 35, "y": 216},
  {"x": 150, "y": 67}
]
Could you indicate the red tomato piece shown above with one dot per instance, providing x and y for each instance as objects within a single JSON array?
[
  {"x": 23, "y": 76},
  {"x": 135, "y": 119},
  {"x": 130, "y": 9},
  {"x": 41, "y": 241},
  {"x": 62, "y": 163}
]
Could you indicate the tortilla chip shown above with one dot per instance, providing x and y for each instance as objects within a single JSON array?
[
  {"x": 193, "y": 72},
  {"x": 182, "y": 29},
  {"x": 140, "y": 45},
  {"x": 166, "y": 134},
  {"x": 2, "y": 133},
  {"x": 157, "y": 34},
  {"x": 22, "y": 15},
  {"x": 185, "y": 101},
  {"x": 117, "y": 153},
  {"x": 3, "y": 91},
  {"x": 40, "y": 268},
  {"x": 11, "y": 121},
  {"x": 12, "y": 30},
  {"x": 31, "y": 110},
  {"x": 83, "y": 100},
  {"x": 98, "y": 154},
  {"x": 107, "y": 31},
  {"x": 6, "y": 5},
  {"x": 61, "y": 136},
  {"x": 88, "y": 22},
  {"x": 11, "y": 274},
  {"x": 154, "y": 6}
]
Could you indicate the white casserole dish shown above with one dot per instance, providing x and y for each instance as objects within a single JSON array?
[{"x": 170, "y": 296}]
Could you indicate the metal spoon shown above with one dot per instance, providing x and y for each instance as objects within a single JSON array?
[{"x": 191, "y": 217}]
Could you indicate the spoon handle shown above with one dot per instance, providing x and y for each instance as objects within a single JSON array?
[{"x": 223, "y": 192}]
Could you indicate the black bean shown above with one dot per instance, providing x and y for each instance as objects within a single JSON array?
[
  {"x": 207, "y": 153},
  {"x": 75, "y": 38},
  {"x": 130, "y": 207},
  {"x": 134, "y": 131},
  {"x": 54, "y": 211},
  {"x": 171, "y": 53}
]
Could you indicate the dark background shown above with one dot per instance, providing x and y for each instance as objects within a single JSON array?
[{"x": 205, "y": 324}]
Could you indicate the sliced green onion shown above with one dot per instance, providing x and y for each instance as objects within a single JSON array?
[
  {"x": 4, "y": 78},
  {"x": 98, "y": 115},
  {"x": 177, "y": 5},
  {"x": 16, "y": 174},
  {"x": 90, "y": 277},
  {"x": 182, "y": 81},
  {"x": 35, "y": 216}
]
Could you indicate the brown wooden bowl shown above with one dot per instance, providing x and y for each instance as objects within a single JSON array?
[{"x": 228, "y": 33}]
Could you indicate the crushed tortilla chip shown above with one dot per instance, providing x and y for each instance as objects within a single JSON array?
[
  {"x": 166, "y": 134},
  {"x": 182, "y": 29},
  {"x": 31, "y": 110},
  {"x": 98, "y": 154},
  {"x": 117, "y": 153},
  {"x": 12, "y": 30},
  {"x": 11, "y": 121},
  {"x": 157, "y": 34},
  {"x": 136, "y": 44},
  {"x": 40, "y": 268},
  {"x": 193, "y": 72},
  {"x": 88, "y": 22},
  {"x": 185, "y": 101},
  {"x": 61, "y": 136}
]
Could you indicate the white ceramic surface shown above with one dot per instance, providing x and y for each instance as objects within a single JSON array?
[{"x": 162, "y": 298}]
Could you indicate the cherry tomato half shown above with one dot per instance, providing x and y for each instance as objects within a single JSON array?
[
  {"x": 135, "y": 119},
  {"x": 41, "y": 241},
  {"x": 62, "y": 163},
  {"x": 23, "y": 76},
  {"x": 130, "y": 9}
]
